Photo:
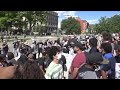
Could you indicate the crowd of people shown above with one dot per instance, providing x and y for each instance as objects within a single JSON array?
[{"x": 68, "y": 58}]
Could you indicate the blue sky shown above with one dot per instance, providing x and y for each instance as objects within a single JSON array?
[{"x": 91, "y": 16}]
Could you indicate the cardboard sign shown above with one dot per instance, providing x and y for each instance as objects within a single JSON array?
[{"x": 117, "y": 71}]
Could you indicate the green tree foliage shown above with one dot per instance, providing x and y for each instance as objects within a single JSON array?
[
  {"x": 71, "y": 25},
  {"x": 15, "y": 18},
  {"x": 108, "y": 24},
  {"x": 32, "y": 17},
  {"x": 102, "y": 25}
]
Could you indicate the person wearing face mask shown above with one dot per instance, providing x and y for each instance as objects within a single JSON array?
[{"x": 54, "y": 70}]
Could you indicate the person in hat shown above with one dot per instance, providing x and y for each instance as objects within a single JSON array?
[{"x": 78, "y": 59}]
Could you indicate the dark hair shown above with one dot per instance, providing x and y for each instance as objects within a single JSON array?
[
  {"x": 107, "y": 47},
  {"x": 18, "y": 71},
  {"x": 93, "y": 42},
  {"x": 116, "y": 47},
  {"x": 106, "y": 36},
  {"x": 65, "y": 50},
  {"x": 94, "y": 58},
  {"x": 10, "y": 55},
  {"x": 31, "y": 70},
  {"x": 79, "y": 45},
  {"x": 23, "y": 59},
  {"x": 44, "y": 53},
  {"x": 118, "y": 42},
  {"x": 53, "y": 51},
  {"x": 31, "y": 57}
]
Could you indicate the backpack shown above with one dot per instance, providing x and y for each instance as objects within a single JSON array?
[
  {"x": 86, "y": 73},
  {"x": 62, "y": 61}
]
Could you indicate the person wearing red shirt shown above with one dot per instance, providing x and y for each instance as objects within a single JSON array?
[{"x": 78, "y": 60}]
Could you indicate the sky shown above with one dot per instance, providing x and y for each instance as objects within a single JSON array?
[{"x": 90, "y": 16}]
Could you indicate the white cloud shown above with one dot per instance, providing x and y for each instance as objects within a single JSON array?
[
  {"x": 60, "y": 12},
  {"x": 94, "y": 21}
]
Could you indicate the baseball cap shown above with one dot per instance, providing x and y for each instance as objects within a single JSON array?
[{"x": 78, "y": 44}]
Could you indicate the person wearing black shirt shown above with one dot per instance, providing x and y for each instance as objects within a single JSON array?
[
  {"x": 5, "y": 48},
  {"x": 93, "y": 45}
]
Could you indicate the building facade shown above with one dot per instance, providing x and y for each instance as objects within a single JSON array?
[{"x": 51, "y": 22}]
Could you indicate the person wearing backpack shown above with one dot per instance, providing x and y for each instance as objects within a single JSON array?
[
  {"x": 88, "y": 70},
  {"x": 111, "y": 65},
  {"x": 78, "y": 60},
  {"x": 106, "y": 50}
]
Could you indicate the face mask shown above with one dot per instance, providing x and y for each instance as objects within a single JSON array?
[{"x": 59, "y": 56}]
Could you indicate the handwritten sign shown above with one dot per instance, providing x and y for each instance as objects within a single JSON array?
[{"x": 117, "y": 71}]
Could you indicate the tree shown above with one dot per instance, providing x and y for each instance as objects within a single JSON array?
[
  {"x": 108, "y": 24},
  {"x": 32, "y": 17},
  {"x": 10, "y": 19},
  {"x": 71, "y": 25},
  {"x": 102, "y": 25},
  {"x": 114, "y": 23}
]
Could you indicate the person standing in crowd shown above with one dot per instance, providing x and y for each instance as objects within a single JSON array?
[
  {"x": 41, "y": 61},
  {"x": 107, "y": 54},
  {"x": 2, "y": 37},
  {"x": 15, "y": 47},
  {"x": 10, "y": 59},
  {"x": 106, "y": 50},
  {"x": 22, "y": 58},
  {"x": 33, "y": 48},
  {"x": 111, "y": 65},
  {"x": 31, "y": 70},
  {"x": 93, "y": 45},
  {"x": 107, "y": 37},
  {"x": 31, "y": 57},
  {"x": 5, "y": 48},
  {"x": 78, "y": 60},
  {"x": 54, "y": 70},
  {"x": 88, "y": 69},
  {"x": 117, "y": 50},
  {"x": 39, "y": 47}
]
